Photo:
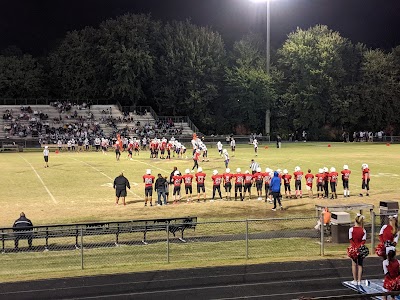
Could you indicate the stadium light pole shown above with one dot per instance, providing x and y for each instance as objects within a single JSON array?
[{"x": 268, "y": 59}]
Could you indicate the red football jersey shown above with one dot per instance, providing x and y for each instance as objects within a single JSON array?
[
  {"x": 148, "y": 180},
  {"x": 320, "y": 177},
  {"x": 267, "y": 178},
  {"x": 309, "y": 179},
  {"x": 365, "y": 174},
  {"x": 258, "y": 176},
  {"x": 217, "y": 179},
  {"x": 298, "y": 175},
  {"x": 239, "y": 178},
  {"x": 345, "y": 174},
  {"x": 326, "y": 176},
  {"x": 248, "y": 178},
  {"x": 187, "y": 179},
  {"x": 227, "y": 177},
  {"x": 200, "y": 177},
  {"x": 177, "y": 180},
  {"x": 286, "y": 178},
  {"x": 333, "y": 176}
]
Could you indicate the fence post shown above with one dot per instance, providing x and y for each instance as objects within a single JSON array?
[
  {"x": 322, "y": 233},
  {"x": 167, "y": 243},
  {"x": 247, "y": 239},
  {"x": 372, "y": 230},
  {"x": 82, "y": 248}
]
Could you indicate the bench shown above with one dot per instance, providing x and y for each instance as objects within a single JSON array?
[
  {"x": 47, "y": 232},
  {"x": 9, "y": 147}
]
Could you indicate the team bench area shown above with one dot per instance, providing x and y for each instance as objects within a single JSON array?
[{"x": 56, "y": 237}]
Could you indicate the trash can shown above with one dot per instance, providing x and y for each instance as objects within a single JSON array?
[
  {"x": 387, "y": 208},
  {"x": 340, "y": 227}
]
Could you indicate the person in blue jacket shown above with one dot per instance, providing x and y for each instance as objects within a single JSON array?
[{"x": 275, "y": 186}]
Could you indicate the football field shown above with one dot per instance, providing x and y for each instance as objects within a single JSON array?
[{"x": 77, "y": 187}]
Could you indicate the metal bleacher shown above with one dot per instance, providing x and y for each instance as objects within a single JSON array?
[{"x": 100, "y": 114}]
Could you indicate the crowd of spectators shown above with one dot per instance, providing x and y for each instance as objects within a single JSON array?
[
  {"x": 77, "y": 122},
  {"x": 66, "y": 106},
  {"x": 79, "y": 131}
]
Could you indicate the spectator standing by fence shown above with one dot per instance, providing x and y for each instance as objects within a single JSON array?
[
  {"x": 120, "y": 185},
  {"x": 46, "y": 156},
  {"x": 23, "y": 230}
]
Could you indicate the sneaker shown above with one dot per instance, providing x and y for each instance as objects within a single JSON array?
[
  {"x": 354, "y": 282},
  {"x": 358, "y": 282},
  {"x": 145, "y": 204},
  {"x": 212, "y": 200},
  {"x": 367, "y": 195},
  {"x": 274, "y": 209},
  {"x": 281, "y": 207},
  {"x": 361, "y": 195}
]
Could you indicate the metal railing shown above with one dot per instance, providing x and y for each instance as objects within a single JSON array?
[
  {"x": 60, "y": 249},
  {"x": 114, "y": 246},
  {"x": 47, "y": 101}
]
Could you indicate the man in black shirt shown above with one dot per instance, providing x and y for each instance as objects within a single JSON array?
[
  {"x": 159, "y": 187},
  {"x": 23, "y": 230},
  {"x": 120, "y": 185}
]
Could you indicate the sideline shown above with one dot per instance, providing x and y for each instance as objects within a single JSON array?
[
  {"x": 104, "y": 174},
  {"x": 40, "y": 178}
]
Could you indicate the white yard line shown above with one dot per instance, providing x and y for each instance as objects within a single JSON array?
[
  {"x": 41, "y": 180},
  {"x": 104, "y": 174}
]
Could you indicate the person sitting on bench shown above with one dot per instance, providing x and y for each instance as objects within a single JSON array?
[{"x": 23, "y": 230}]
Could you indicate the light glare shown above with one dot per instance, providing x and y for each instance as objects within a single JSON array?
[{"x": 259, "y": 1}]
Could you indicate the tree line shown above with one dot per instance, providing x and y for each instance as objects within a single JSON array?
[{"x": 319, "y": 81}]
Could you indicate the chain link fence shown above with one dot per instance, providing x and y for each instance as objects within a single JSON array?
[{"x": 100, "y": 249}]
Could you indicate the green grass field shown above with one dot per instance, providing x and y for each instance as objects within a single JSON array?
[{"x": 77, "y": 187}]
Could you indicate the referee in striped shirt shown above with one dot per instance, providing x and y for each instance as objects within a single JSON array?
[{"x": 253, "y": 166}]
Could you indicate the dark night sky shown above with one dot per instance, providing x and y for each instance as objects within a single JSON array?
[{"x": 36, "y": 25}]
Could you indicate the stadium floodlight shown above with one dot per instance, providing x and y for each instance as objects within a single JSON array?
[{"x": 268, "y": 58}]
